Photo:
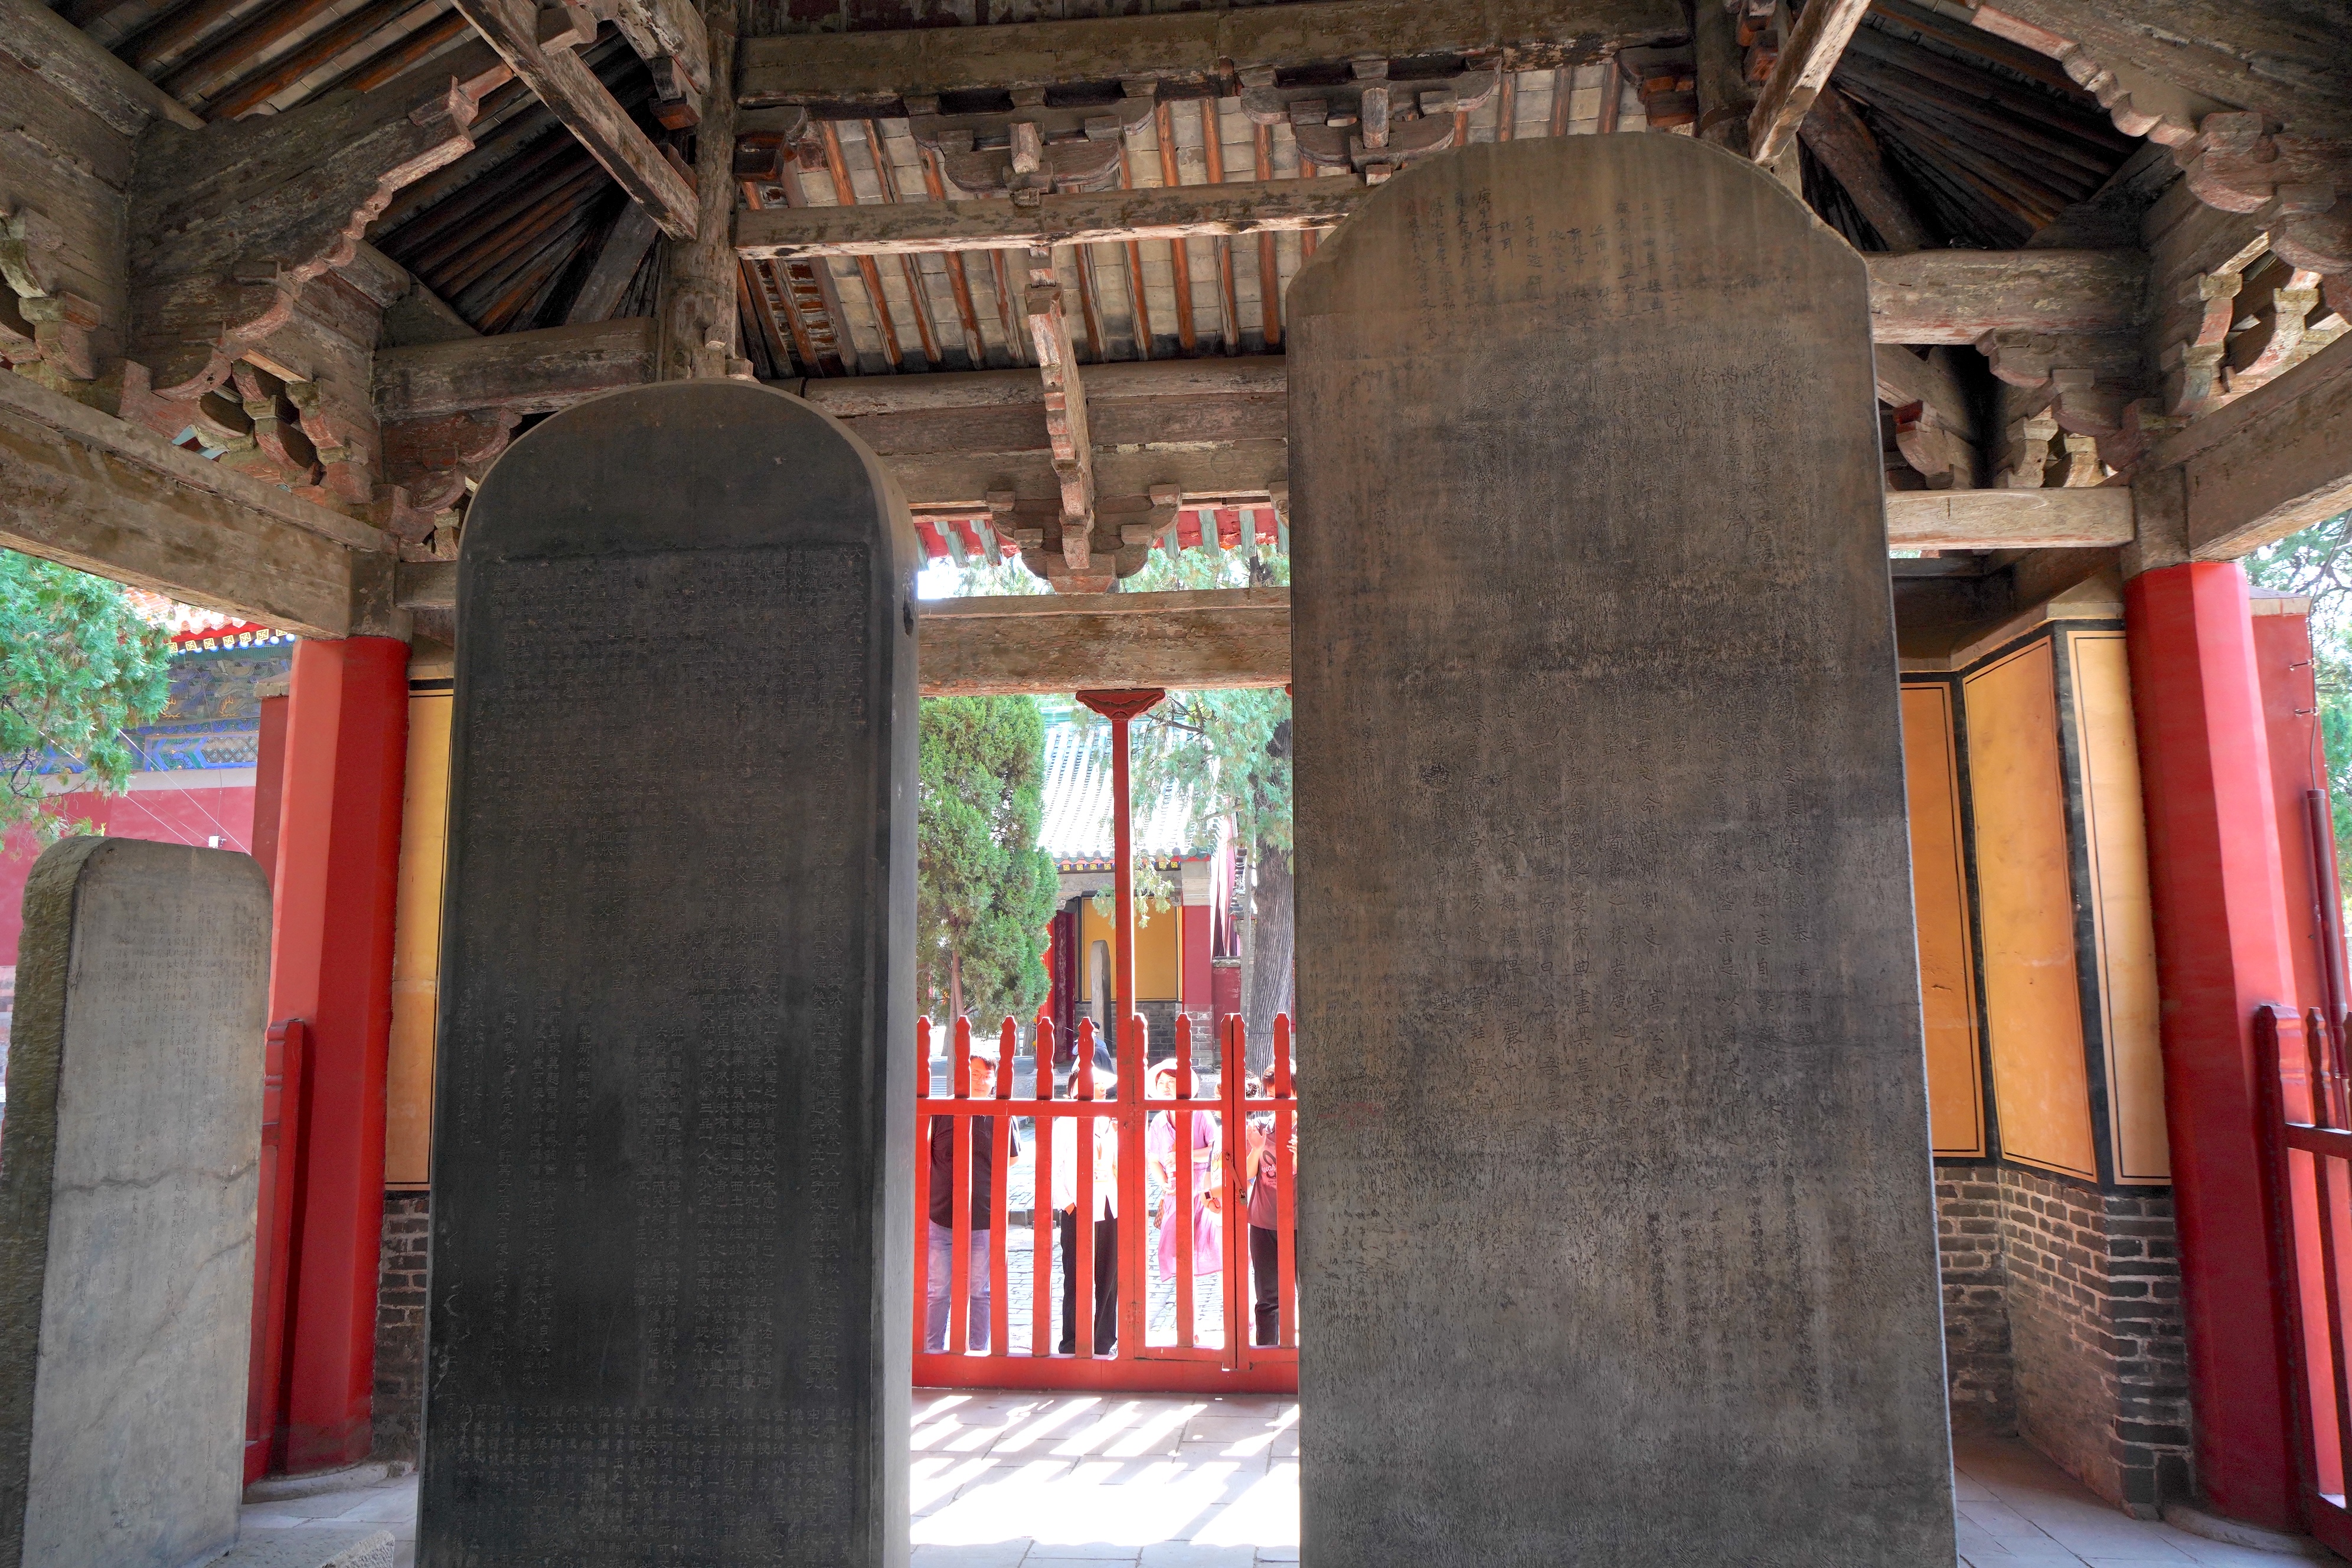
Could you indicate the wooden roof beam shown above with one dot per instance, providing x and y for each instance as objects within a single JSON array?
[
  {"x": 529, "y": 373},
  {"x": 2268, "y": 464},
  {"x": 1800, "y": 74},
  {"x": 49, "y": 47},
  {"x": 103, "y": 494},
  {"x": 587, "y": 108},
  {"x": 1958, "y": 296},
  {"x": 854, "y": 75},
  {"x": 2009, "y": 520}
]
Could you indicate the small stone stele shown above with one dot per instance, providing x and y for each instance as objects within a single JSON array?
[{"x": 127, "y": 1180}]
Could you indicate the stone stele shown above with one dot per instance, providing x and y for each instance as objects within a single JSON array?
[
  {"x": 1617, "y": 1244},
  {"x": 127, "y": 1191},
  {"x": 672, "y": 1209}
]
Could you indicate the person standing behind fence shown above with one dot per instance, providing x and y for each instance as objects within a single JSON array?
[
  {"x": 937, "y": 1282},
  {"x": 1265, "y": 1218},
  {"x": 1106, "y": 1216},
  {"x": 1160, "y": 1146}
]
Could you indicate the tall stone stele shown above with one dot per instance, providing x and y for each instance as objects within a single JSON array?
[
  {"x": 127, "y": 1180},
  {"x": 673, "y": 1158},
  {"x": 1617, "y": 1238}
]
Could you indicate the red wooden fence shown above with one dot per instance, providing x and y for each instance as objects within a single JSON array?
[
  {"x": 2307, "y": 1125},
  {"x": 1233, "y": 1365}
]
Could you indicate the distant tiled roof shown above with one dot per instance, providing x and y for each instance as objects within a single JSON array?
[
  {"x": 1076, "y": 826},
  {"x": 194, "y": 623}
]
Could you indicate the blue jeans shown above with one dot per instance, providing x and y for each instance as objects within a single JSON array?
[{"x": 937, "y": 1280}]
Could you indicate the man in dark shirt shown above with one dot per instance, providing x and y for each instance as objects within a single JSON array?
[{"x": 942, "y": 1217}]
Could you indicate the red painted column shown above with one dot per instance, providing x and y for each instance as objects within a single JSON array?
[
  {"x": 2306, "y": 840},
  {"x": 330, "y": 966},
  {"x": 1121, "y": 707},
  {"x": 2222, "y": 952}
]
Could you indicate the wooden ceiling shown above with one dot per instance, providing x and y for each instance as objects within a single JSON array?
[{"x": 1983, "y": 143}]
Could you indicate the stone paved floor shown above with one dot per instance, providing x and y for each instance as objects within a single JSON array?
[{"x": 1162, "y": 1480}]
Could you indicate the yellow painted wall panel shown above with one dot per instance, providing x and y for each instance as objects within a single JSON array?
[
  {"x": 1940, "y": 888},
  {"x": 2116, "y": 828},
  {"x": 1155, "y": 951},
  {"x": 2033, "y": 1002},
  {"x": 416, "y": 944}
]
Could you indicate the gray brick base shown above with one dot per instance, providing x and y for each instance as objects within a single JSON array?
[
  {"x": 400, "y": 1326},
  {"x": 2062, "y": 1324}
]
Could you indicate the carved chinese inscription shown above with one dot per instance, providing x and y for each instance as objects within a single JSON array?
[
  {"x": 671, "y": 1260},
  {"x": 1635, "y": 870}
]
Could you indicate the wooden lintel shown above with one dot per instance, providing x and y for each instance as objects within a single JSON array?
[
  {"x": 2009, "y": 520},
  {"x": 1799, "y": 75},
  {"x": 530, "y": 373},
  {"x": 864, "y": 72},
  {"x": 574, "y": 95},
  {"x": 1069, "y": 642},
  {"x": 95, "y": 492},
  {"x": 1055, "y": 642},
  {"x": 1102, "y": 217},
  {"x": 2270, "y": 463},
  {"x": 1958, "y": 296}
]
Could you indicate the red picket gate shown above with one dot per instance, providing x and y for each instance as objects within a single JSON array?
[
  {"x": 2308, "y": 1126},
  {"x": 1234, "y": 1365}
]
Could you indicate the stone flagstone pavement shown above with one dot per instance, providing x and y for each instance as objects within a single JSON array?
[{"x": 1172, "y": 1482}]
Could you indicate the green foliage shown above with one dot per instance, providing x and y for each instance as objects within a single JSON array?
[
  {"x": 77, "y": 669},
  {"x": 984, "y": 891},
  {"x": 1231, "y": 750},
  {"x": 2318, "y": 562}
]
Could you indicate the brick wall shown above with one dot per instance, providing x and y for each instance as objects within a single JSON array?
[
  {"x": 2097, "y": 1336},
  {"x": 400, "y": 1326},
  {"x": 1977, "y": 1356}
]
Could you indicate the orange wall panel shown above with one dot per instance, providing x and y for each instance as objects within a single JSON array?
[
  {"x": 2034, "y": 1000},
  {"x": 2124, "y": 921},
  {"x": 416, "y": 944},
  {"x": 1940, "y": 888}
]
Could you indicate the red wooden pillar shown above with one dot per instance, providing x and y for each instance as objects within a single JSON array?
[
  {"x": 2222, "y": 952},
  {"x": 330, "y": 966},
  {"x": 2299, "y": 781},
  {"x": 1120, "y": 708}
]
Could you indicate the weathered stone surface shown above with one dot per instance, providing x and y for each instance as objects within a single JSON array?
[
  {"x": 1618, "y": 1239},
  {"x": 370, "y": 1547},
  {"x": 127, "y": 1193},
  {"x": 671, "y": 1244}
]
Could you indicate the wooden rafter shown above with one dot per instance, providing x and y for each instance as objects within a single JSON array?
[
  {"x": 1799, "y": 75},
  {"x": 1837, "y": 136},
  {"x": 1079, "y": 218},
  {"x": 566, "y": 84}
]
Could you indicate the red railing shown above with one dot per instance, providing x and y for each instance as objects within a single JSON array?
[
  {"x": 1133, "y": 1360},
  {"x": 2308, "y": 1126}
]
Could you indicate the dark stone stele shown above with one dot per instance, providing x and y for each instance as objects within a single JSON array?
[
  {"x": 671, "y": 1242},
  {"x": 1619, "y": 1242}
]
